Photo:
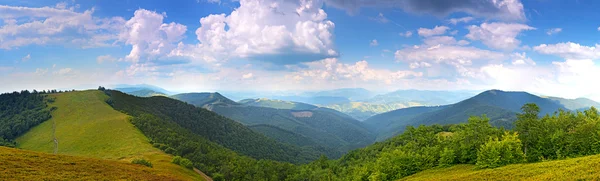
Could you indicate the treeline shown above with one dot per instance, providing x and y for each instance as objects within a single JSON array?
[
  {"x": 211, "y": 126},
  {"x": 20, "y": 111},
  {"x": 561, "y": 135}
]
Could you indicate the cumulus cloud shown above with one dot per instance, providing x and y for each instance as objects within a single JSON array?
[
  {"x": 510, "y": 10},
  {"x": 247, "y": 76},
  {"x": 55, "y": 25},
  {"x": 455, "y": 21},
  {"x": 406, "y": 34},
  {"x": 374, "y": 43},
  {"x": 498, "y": 35},
  {"x": 437, "y": 30},
  {"x": 553, "y": 31},
  {"x": 570, "y": 50},
  {"x": 149, "y": 37},
  {"x": 275, "y": 31},
  {"x": 521, "y": 59},
  {"x": 442, "y": 40},
  {"x": 64, "y": 71}
]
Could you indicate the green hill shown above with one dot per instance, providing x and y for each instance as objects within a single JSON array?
[
  {"x": 19, "y": 164},
  {"x": 575, "y": 104},
  {"x": 326, "y": 127},
  {"x": 499, "y": 106},
  {"x": 277, "y": 104},
  {"x": 146, "y": 93},
  {"x": 283, "y": 135},
  {"x": 85, "y": 125},
  {"x": 211, "y": 126},
  {"x": 582, "y": 168},
  {"x": 201, "y": 99}
]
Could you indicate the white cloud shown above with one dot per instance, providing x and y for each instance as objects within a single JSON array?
[
  {"x": 570, "y": 50},
  {"x": 374, "y": 43},
  {"x": 521, "y": 59},
  {"x": 554, "y": 31},
  {"x": 437, "y": 30},
  {"x": 105, "y": 58},
  {"x": 510, "y": 10},
  {"x": 380, "y": 18},
  {"x": 149, "y": 37},
  {"x": 64, "y": 71},
  {"x": 599, "y": 28},
  {"x": 406, "y": 34},
  {"x": 50, "y": 25},
  {"x": 40, "y": 71},
  {"x": 440, "y": 40},
  {"x": 26, "y": 58},
  {"x": 277, "y": 31},
  {"x": 455, "y": 21},
  {"x": 498, "y": 35},
  {"x": 247, "y": 76}
]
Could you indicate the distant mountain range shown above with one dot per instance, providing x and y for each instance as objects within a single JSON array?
[
  {"x": 142, "y": 90},
  {"x": 500, "y": 106},
  {"x": 280, "y": 119}
]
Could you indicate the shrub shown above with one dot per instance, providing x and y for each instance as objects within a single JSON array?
[
  {"x": 183, "y": 162},
  {"x": 496, "y": 153},
  {"x": 447, "y": 157},
  {"x": 142, "y": 162},
  {"x": 218, "y": 177}
]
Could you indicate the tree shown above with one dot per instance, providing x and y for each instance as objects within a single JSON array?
[
  {"x": 496, "y": 153},
  {"x": 526, "y": 124}
]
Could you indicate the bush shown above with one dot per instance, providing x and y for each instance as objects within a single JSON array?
[
  {"x": 218, "y": 177},
  {"x": 447, "y": 157},
  {"x": 142, "y": 162},
  {"x": 496, "y": 153},
  {"x": 183, "y": 162}
]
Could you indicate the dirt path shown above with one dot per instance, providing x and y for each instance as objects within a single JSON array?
[{"x": 206, "y": 177}]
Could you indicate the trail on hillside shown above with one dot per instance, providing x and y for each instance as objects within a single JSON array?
[
  {"x": 206, "y": 177},
  {"x": 54, "y": 136}
]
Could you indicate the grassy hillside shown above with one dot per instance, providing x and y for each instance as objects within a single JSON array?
[
  {"x": 84, "y": 125},
  {"x": 277, "y": 104},
  {"x": 583, "y": 168},
  {"x": 146, "y": 93},
  {"x": 19, "y": 164},
  {"x": 204, "y": 98}
]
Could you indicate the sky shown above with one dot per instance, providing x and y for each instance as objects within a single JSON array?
[{"x": 547, "y": 47}]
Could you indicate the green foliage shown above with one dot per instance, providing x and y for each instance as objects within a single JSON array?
[
  {"x": 206, "y": 124},
  {"x": 142, "y": 162},
  {"x": 447, "y": 157},
  {"x": 183, "y": 162},
  {"x": 218, "y": 177},
  {"x": 496, "y": 153},
  {"x": 19, "y": 112}
]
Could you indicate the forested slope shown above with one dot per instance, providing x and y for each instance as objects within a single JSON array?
[
  {"x": 211, "y": 126},
  {"x": 20, "y": 111}
]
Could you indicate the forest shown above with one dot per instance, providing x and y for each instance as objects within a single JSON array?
[
  {"x": 20, "y": 111},
  {"x": 534, "y": 138}
]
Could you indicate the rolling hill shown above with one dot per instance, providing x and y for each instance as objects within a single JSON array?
[
  {"x": 499, "y": 106},
  {"x": 146, "y": 93},
  {"x": 20, "y": 164},
  {"x": 83, "y": 124},
  {"x": 582, "y": 168},
  {"x": 213, "y": 127},
  {"x": 326, "y": 127},
  {"x": 575, "y": 104},
  {"x": 277, "y": 104}
]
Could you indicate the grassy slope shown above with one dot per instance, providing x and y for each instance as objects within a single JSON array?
[
  {"x": 582, "y": 168},
  {"x": 19, "y": 164},
  {"x": 87, "y": 126}
]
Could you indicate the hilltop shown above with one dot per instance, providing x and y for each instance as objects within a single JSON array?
[{"x": 85, "y": 125}]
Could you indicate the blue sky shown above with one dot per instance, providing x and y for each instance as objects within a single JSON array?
[{"x": 546, "y": 47}]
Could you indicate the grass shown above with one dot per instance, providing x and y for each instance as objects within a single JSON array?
[
  {"x": 87, "y": 126},
  {"x": 582, "y": 168},
  {"x": 19, "y": 164}
]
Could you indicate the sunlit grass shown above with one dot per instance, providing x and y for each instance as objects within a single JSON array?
[
  {"x": 87, "y": 126},
  {"x": 582, "y": 168}
]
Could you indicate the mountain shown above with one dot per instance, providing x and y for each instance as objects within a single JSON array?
[
  {"x": 209, "y": 125},
  {"x": 277, "y": 104},
  {"x": 326, "y": 127},
  {"x": 204, "y": 99},
  {"x": 422, "y": 97},
  {"x": 126, "y": 88},
  {"x": 499, "y": 106},
  {"x": 352, "y": 94},
  {"x": 576, "y": 104},
  {"x": 399, "y": 99},
  {"x": 146, "y": 93}
]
